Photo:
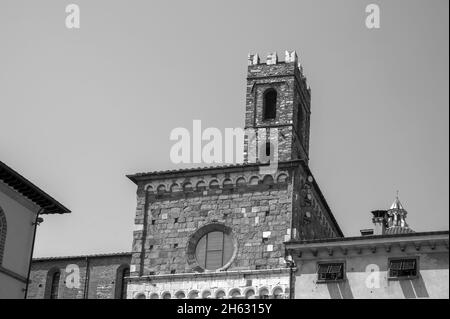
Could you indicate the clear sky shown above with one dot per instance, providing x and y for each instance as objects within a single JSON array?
[{"x": 82, "y": 108}]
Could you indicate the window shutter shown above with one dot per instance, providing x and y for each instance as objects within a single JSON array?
[
  {"x": 409, "y": 265},
  {"x": 214, "y": 250},
  {"x": 228, "y": 248},
  {"x": 200, "y": 251},
  {"x": 215, "y": 241},
  {"x": 396, "y": 265},
  {"x": 214, "y": 260},
  {"x": 335, "y": 268},
  {"x": 323, "y": 269},
  {"x": 328, "y": 272}
]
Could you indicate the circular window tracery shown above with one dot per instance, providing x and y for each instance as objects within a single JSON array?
[
  {"x": 214, "y": 250},
  {"x": 211, "y": 248}
]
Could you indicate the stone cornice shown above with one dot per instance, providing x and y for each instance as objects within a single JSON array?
[
  {"x": 349, "y": 245},
  {"x": 209, "y": 275},
  {"x": 190, "y": 172}
]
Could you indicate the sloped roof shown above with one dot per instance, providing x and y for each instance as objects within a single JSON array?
[
  {"x": 118, "y": 254},
  {"x": 20, "y": 184},
  {"x": 194, "y": 170},
  {"x": 397, "y": 204},
  {"x": 395, "y": 230}
]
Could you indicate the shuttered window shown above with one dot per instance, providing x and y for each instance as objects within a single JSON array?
[
  {"x": 331, "y": 272},
  {"x": 402, "y": 268},
  {"x": 214, "y": 250}
]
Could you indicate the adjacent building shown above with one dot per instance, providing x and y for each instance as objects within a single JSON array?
[
  {"x": 21, "y": 205},
  {"x": 101, "y": 276},
  {"x": 390, "y": 261}
]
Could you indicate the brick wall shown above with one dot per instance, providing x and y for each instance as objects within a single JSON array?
[{"x": 102, "y": 276}]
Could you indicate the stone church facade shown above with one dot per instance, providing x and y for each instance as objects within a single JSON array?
[{"x": 220, "y": 232}]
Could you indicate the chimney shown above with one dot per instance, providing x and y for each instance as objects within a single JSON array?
[{"x": 379, "y": 221}]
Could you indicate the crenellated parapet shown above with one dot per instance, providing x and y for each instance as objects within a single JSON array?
[{"x": 290, "y": 64}]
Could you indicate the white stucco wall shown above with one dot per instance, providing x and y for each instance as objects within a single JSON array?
[
  {"x": 360, "y": 282},
  {"x": 19, "y": 238}
]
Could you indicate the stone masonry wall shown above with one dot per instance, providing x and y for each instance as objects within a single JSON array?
[
  {"x": 293, "y": 97},
  {"x": 102, "y": 276},
  {"x": 262, "y": 211},
  {"x": 259, "y": 212},
  {"x": 312, "y": 217}
]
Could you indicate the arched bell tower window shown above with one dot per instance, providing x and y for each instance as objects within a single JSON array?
[{"x": 270, "y": 104}]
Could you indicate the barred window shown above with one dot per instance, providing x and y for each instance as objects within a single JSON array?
[
  {"x": 402, "y": 268},
  {"x": 330, "y": 272}
]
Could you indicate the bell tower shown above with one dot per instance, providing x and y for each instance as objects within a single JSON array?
[{"x": 277, "y": 100}]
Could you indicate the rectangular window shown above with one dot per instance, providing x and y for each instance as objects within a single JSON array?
[
  {"x": 402, "y": 268},
  {"x": 330, "y": 272}
]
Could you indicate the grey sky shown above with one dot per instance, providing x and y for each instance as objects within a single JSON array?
[{"x": 82, "y": 108}]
